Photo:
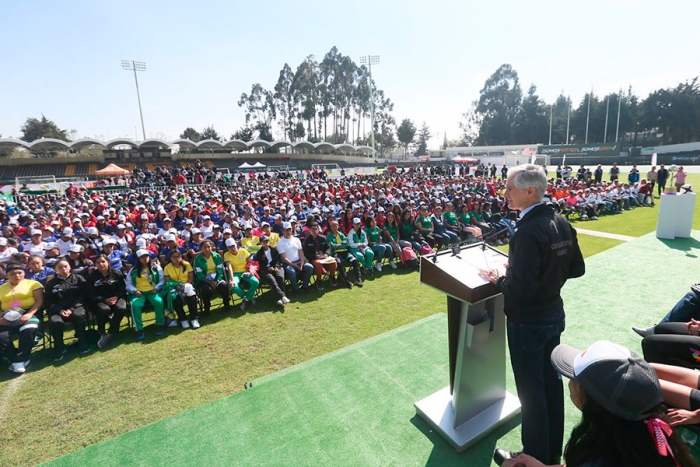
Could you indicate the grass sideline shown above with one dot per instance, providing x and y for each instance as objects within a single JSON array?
[{"x": 54, "y": 410}]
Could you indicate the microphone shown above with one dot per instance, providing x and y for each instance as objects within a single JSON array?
[{"x": 491, "y": 235}]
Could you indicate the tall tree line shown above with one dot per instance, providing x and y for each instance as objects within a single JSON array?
[
  {"x": 327, "y": 100},
  {"x": 503, "y": 115}
]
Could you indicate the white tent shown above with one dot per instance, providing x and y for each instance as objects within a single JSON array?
[
  {"x": 258, "y": 165},
  {"x": 245, "y": 165}
]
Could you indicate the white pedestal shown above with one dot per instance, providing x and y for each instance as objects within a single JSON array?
[{"x": 675, "y": 215}]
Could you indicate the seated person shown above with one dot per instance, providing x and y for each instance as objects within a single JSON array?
[
  {"x": 271, "y": 268},
  {"x": 65, "y": 299},
  {"x": 236, "y": 261},
  {"x": 106, "y": 296},
  {"x": 341, "y": 251},
  {"x": 295, "y": 265},
  {"x": 249, "y": 241},
  {"x": 623, "y": 419},
  {"x": 20, "y": 301},
  {"x": 359, "y": 247},
  {"x": 179, "y": 289},
  {"x": 680, "y": 390},
  {"x": 209, "y": 276},
  {"x": 38, "y": 271},
  {"x": 316, "y": 248},
  {"x": 686, "y": 309},
  {"x": 374, "y": 240},
  {"x": 674, "y": 344},
  {"x": 79, "y": 264},
  {"x": 144, "y": 283}
]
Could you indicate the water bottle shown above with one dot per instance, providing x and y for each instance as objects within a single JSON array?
[{"x": 689, "y": 437}]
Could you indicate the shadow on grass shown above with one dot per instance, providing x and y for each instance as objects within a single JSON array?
[
  {"x": 479, "y": 455},
  {"x": 683, "y": 244}
]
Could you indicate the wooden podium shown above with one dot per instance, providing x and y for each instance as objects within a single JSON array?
[{"x": 476, "y": 401}]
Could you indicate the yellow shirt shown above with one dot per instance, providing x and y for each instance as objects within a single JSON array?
[
  {"x": 177, "y": 274},
  {"x": 274, "y": 238},
  {"x": 238, "y": 261},
  {"x": 251, "y": 244},
  {"x": 21, "y": 296},
  {"x": 142, "y": 282},
  {"x": 211, "y": 266}
]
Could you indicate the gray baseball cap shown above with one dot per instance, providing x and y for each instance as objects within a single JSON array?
[{"x": 614, "y": 376}]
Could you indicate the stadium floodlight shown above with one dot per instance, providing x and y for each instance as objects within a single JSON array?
[
  {"x": 136, "y": 66},
  {"x": 370, "y": 60}
]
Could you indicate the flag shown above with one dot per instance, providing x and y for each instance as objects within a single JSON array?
[
  {"x": 563, "y": 160},
  {"x": 533, "y": 158},
  {"x": 653, "y": 159}
]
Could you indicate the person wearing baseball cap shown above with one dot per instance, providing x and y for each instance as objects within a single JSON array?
[
  {"x": 296, "y": 267},
  {"x": 623, "y": 419},
  {"x": 144, "y": 283},
  {"x": 236, "y": 261}
]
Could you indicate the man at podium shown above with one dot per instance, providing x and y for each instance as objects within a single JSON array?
[{"x": 544, "y": 253}]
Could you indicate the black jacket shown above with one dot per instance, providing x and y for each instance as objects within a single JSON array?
[
  {"x": 309, "y": 247},
  {"x": 544, "y": 253},
  {"x": 65, "y": 294},
  {"x": 99, "y": 288},
  {"x": 261, "y": 258}
]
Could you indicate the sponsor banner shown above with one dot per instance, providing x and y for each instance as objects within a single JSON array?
[{"x": 581, "y": 150}]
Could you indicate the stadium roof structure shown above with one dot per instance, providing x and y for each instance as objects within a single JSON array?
[{"x": 47, "y": 144}]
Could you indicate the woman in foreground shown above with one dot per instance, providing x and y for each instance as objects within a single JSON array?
[{"x": 623, "y": 420}]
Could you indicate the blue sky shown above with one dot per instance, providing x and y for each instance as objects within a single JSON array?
[{"x": 62, "y": 58}]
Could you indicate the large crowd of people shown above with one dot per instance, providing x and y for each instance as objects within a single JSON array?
[
  {"x": 66, "y": 258},
  {"x": 173, "y": 247}
]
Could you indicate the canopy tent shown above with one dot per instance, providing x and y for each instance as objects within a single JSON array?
[
  {"x": 465, "y": 159},
  {"x": 245, "y": 165},
  {"x": 258, "y": 165},
  {"x": 112, "y": 169}
]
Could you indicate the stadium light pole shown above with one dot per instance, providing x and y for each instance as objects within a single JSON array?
[
  {"x": 588, "y": 115},
  {"x": 370, "y": 60},
  {"x": 136, "y": 66}
]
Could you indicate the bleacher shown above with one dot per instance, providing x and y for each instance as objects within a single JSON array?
[{"x": 87, "y": 169}]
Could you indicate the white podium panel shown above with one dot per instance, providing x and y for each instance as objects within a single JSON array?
[
  {"x": 675, "y": 215},
  {"x": 476, "y": 401}
]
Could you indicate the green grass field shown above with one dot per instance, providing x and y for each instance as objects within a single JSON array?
[{"x": 56, "y": 409}]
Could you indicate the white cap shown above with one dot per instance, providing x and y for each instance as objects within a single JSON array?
[
  {"x": 196, "y": 231},
  {"x": 170, "y": 238},
  {"x": 230, "y": 242},
  {"x": 36, "y": 232},
  {"x": 141, "y": 253},
  {"x": 189, "y": 291},
  {"x": 109, "y": 241},
  {"x": 141, "y": 243},
  {"x": 144, "y": 217},
  {"x": 47, "y": 246},
  {"x": 121, "y": 226},
  {"x": 3, "y": 241},
  {"x": 286, "y": 225},
  {"x": 93, "y": 231},
  {"x": 76, "y": 249},
  {"x": 265, "y": 224},
  {"x": 356, "y": 221},
  {"x": 227, "y": 230},
  {"x": 67, "y": 232},
  {"x": 77, "y": 220},
  {"x": 50, "y": 229},
  {"x": 121, "y": 217},
  {"x": 189, "y": 222}
]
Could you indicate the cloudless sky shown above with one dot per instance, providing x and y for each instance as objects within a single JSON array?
[{"x": 63, "y": 58}]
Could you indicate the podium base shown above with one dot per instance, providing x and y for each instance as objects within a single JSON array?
[{"x": 438, "y": 411}]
